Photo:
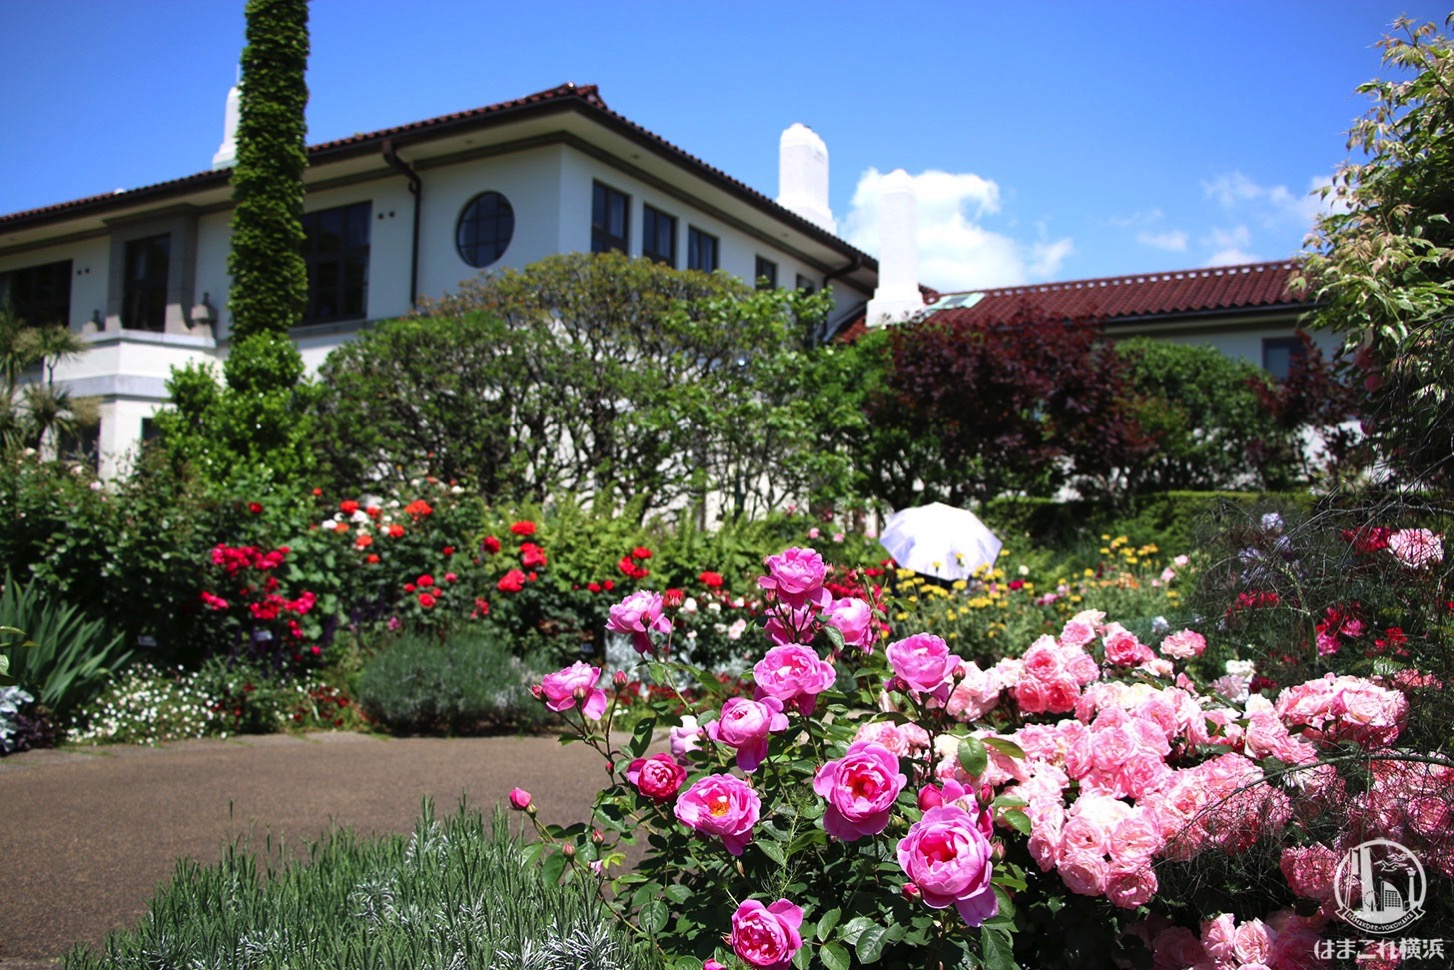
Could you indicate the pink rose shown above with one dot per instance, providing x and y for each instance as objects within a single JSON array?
[
  {"x": 796, "y": 576},
  {"x": 519, "y": 799},
  {"x": 574, "y": 685},
  {"x": 1131, "y": 883},
  {"x": 684, "y": 738},
  {"x": 948, "y": 858},
  {"x": 657, "y": 777},
  {"x": 1084, "y": 873},
  {"x": 975, "y": 695},
  {"x": 860, "y": 789},
  {"x": 745, "y": 725},
  {"x": 1122, "y": 647},
  {"x": 766, "y": 936},
  {"x": 720, "y": 805},
  {"x": 1183, "y": 645},
  {"x": 638, "y": 615},
  {"x": 923, "y": 661},
  {"x": 793, "y": 674},
  {"x": 853, "y": 618},
  {"x": 1416, "y": 548}
]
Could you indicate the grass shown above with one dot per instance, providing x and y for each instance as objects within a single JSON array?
[{"x": 457, "y": 893}]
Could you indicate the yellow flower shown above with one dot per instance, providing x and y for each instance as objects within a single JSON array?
[
  {"x": 960, "y": 585},
  {"x": 901, "y": 616},
  {"x": 1073, "y": 599},
  {"x": 1089, "y": 573}
]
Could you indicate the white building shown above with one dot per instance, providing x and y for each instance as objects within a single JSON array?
[{"x": 400, "y": 214}]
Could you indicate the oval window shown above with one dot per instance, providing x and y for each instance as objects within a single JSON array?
[{"x": 485, "y": 228}]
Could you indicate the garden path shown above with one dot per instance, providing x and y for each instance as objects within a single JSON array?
[{"x": 87, "y": 835}]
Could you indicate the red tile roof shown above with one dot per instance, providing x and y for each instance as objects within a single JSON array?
[
  {"x": 1120, "y": 300},
  {"x": 564, "y": 96}
]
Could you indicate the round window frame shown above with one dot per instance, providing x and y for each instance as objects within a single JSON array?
[{"x": 465, "y": 215}]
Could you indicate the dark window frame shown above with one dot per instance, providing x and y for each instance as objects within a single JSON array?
[
  {"x": 336, "y": 246},
  {"x": 765, "y": 269},
  {"x": 1273, "y": 359},
  {"x": 145, "y": 274},
  {"x": 610, "y": 219},
  {"x": 485, "y": 229},
  {"x": 40, "y": 295},
  {"x": 704, "y": 250},
  {"x": 806, "y": 285},
  {"x": 653, "y": 222}
]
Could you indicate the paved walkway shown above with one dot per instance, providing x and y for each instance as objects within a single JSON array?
[{"x": 87, "y": 835}]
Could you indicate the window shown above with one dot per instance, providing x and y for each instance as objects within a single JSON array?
[
  {"x": 701, "y": 250},
  {"x": 485, "y": 229},
  {"x": 39, "y": 295},
  {"x": 766, "y": 274},
  {"x": 336, "y": 249},
  {"x": 806, "y": 285},
  {"x": 659, "y": 236},
  {"x": 146, "y": 265},
  {"x": 1278, "y": 354},
  {"x": 610, "y": 219}
]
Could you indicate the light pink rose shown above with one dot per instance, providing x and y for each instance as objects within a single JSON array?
[
  {"x": 1084, "y": 873},
  {"x": 1031, "y": 696},
  {"x": 904, "y": 740},
  {"x": 923, "y": 661},
  {"x": 745, "y": 725},
  {"x": 1122, "y": 647},
  {"x": 1082, "y": 628},
  {"x": 766, "y": 937},
  {"x": 975, "y": 695},
  {"x": 1309, "y": 870},
  {"x": 1416, "y": 548},
  {"x": 575, "y": 685},
  {"x": 657, "y": 777},
  {"x": 1183, "y": 645},
  {"x": 685, "y": 737},
  {"x": 1131, "y": 883},
  {"x": 794, "y": 674},
  {"x": 796, "y": 575},
  {"x": 638, "y": 616},
  {"x": 860, "y": 789},
  {"x": 948, "y": 858},
  {"x": 720, "y": 805},
  {"x": 853, "y": 618}
]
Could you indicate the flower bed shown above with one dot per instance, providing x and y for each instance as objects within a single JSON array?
[{"x": 1089, "y": 799}]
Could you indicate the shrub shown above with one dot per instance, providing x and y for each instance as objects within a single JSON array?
[
  {"x": 454, "y": 894},
  {"x": 70, "y": 656},
  {"x": 148, "y": 705},
  {"x": 470, "y": 683}
]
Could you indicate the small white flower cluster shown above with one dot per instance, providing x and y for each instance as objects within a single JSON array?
[{"x": 148, "y": 706}]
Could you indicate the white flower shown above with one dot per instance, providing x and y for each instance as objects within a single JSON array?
[{"x": 1240, "y": 668}]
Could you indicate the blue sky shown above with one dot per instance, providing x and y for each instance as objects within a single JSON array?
[{"x": 1049, "y": 141}]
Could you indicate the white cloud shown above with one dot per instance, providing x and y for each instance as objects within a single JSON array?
[
  {"x": 1172, "y": 240},
  {"x": 956, "y": 251},
  {"x": 1273, "y": 206},
  {"x": 1230, "y": 246}
]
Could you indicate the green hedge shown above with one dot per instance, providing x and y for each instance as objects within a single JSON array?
[{"x": 1172, "y": 521}]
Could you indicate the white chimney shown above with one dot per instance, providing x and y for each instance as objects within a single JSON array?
[
  {"x": 897, "y": 296},
  {"x": 802, "y": 176},
  {"x": 227, "y": 152}
]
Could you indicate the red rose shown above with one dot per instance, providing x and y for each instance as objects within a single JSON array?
[
  {"x": 425, "y": 581},
  {"x": 672, "y": 598},
  {"x": 594, "y": 587},
  {"x": 427, "y": 600},
  {"x": 409, "y": 587},
  {"x": 711, "y": 580},
  {"x": 523, "y": 528},
  {"x": 254, "y": 507},
  {"x": 490, "y": 545},
  {"x": 641, "y": 552},
  {"x": 512, "y": 582},
  {"x": 448, "y": 550},
  {"x": 371, "y": 558},
  {"x": 348, "y": 506},
  {"x": 396, "y": 530},
  {"x": 531, "y": 556},
  {"x": 608, "y": 585}
]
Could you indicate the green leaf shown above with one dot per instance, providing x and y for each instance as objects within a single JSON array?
[
  {"x": 870, "y": 944},
  {"x": 835, "y": 637},
  {"x": 998, "y": 951},
  {"x": 1018, "y": 820},
  {"x": 973, "y": 757},
  {"x": 834, "y": 956},
  {"x": 1006, "y": 747},
  {"x": 653, "y": 917},
  {"x": 854, "y": 928},
  {"x": 774, "y": 852},
  {"x": 827, "y": 921},
  {"x": 641, "y": 736},
  {"x": 677, "y": 893}
]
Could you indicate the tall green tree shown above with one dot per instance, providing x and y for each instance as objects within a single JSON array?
[
  {"x": 261, "y": 417},
  {"x": 269, "y": 276},
  {"x": 1382, "y": 261}
]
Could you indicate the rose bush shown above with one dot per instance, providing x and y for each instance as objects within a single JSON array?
[{"x": 1087, "y": 800}]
